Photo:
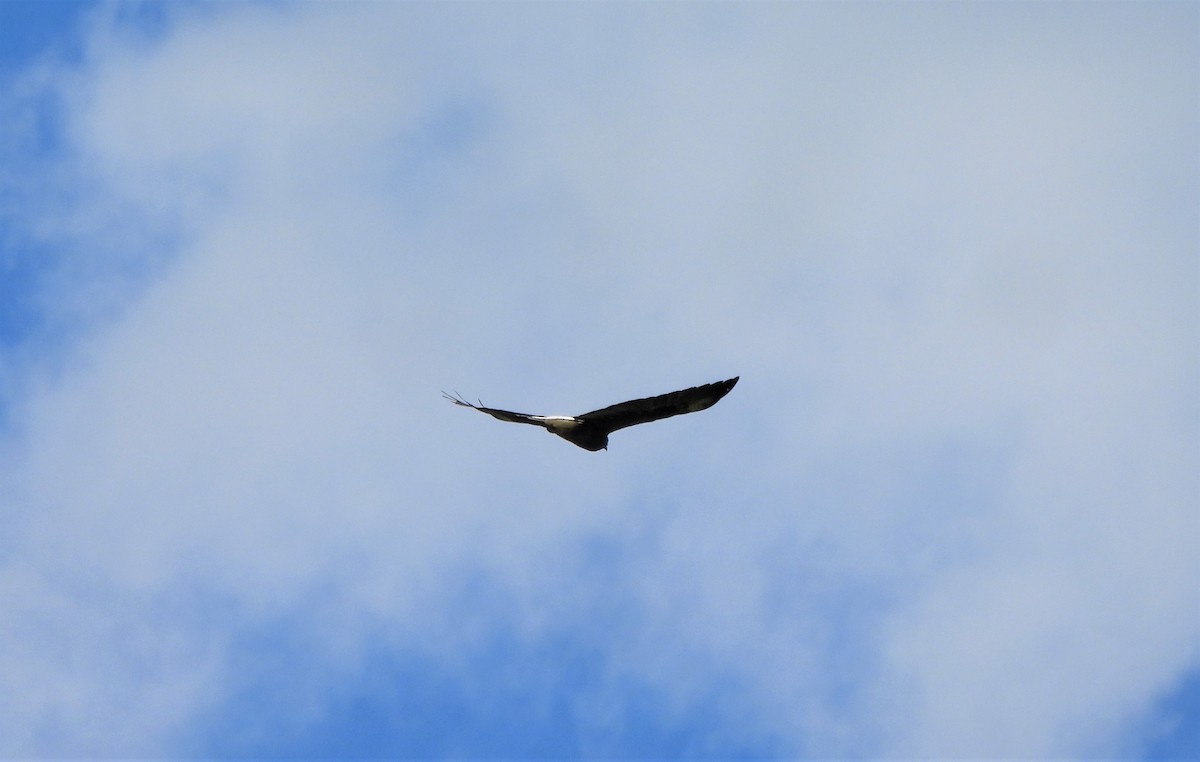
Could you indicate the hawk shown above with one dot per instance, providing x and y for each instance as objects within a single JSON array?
[{"x": 590, "y": 430}]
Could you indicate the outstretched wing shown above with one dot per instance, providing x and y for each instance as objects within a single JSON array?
[
  {"x": 631, "y": 413},
  {"x": 504, "y": 415}
]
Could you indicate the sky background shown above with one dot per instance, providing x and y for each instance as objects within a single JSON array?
[{"x": 951, "y": 509}]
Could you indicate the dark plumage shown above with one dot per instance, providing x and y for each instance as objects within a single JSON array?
[{"x": 590, "y": 430}]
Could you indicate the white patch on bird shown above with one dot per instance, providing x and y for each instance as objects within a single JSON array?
[{"x": 559, "y": 422}]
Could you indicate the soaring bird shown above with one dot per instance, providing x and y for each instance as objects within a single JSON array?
[{"x": 590, "y": 430}]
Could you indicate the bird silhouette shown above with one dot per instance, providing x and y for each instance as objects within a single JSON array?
[{"x": 590, "y": 430}]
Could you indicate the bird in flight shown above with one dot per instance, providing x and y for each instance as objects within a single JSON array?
[{"x": 590, "y": 430}]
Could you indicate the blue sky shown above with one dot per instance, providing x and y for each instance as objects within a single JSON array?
[{"x": 951, "y": 509}]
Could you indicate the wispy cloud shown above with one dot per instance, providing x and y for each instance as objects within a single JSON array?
[{"x": 950, "y": 510}]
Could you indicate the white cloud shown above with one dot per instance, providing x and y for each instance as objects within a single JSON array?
[{"x": 950, "y": 509}]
